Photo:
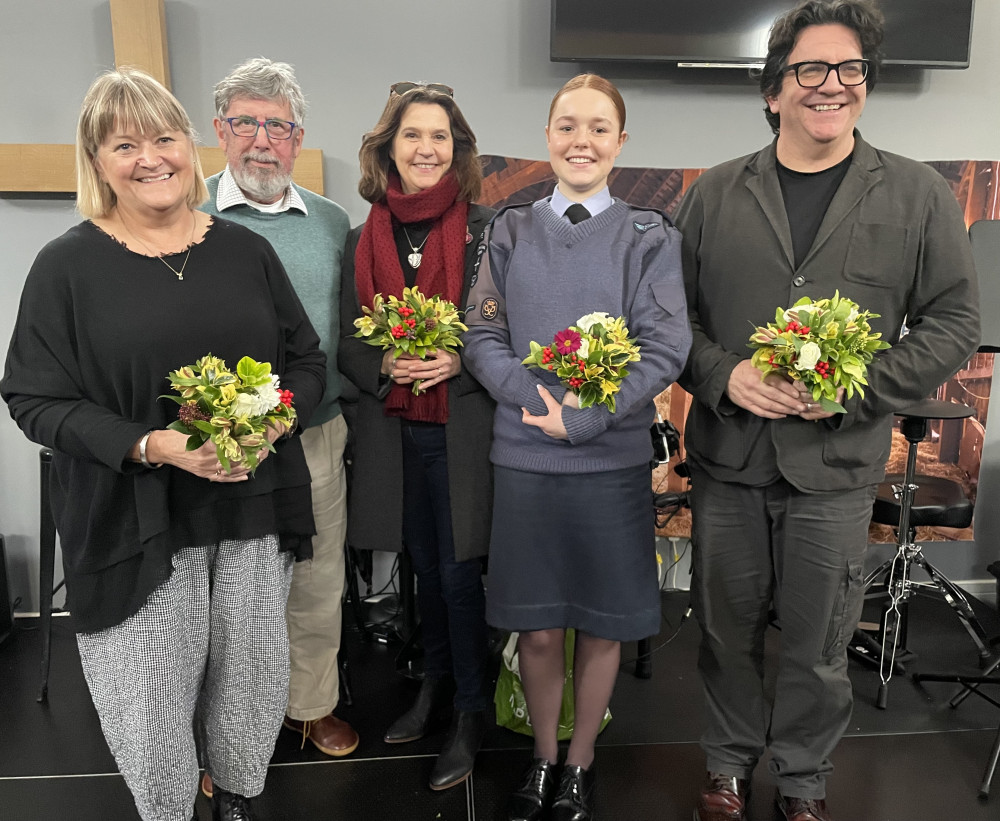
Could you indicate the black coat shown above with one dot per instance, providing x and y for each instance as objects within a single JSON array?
[{"x": 375, "y": 507}]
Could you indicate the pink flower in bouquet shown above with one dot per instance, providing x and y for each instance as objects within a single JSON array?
[{"x": 566, "y": 341}]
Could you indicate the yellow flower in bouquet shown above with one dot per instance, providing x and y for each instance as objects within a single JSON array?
[
  {"x": 827, "y": 344},
  {"x": 415, "y": 325},
  {"x": 232, "y": 410}
]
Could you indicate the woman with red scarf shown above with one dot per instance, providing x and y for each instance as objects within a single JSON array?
[{"x": 421, "y": 476}]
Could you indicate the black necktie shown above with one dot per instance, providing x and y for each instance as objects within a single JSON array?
[{"x": 577, "y": 213}]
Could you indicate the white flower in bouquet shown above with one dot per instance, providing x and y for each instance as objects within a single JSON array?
[
  {"x": 585, "y": 323},
  {"x": 258, "y": 401},
  {"x": 809, "y": 355}
]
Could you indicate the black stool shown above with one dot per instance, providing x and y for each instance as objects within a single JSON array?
[{"x": 906, "y": 502}]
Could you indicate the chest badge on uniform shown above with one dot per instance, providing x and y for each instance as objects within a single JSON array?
[
  {"x": 643, "y": 227},
  {"x": 490, "y": 308}
]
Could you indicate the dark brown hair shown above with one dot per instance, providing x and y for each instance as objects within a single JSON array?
[
  {"x": 375, "y": 146},
  {"x": 861, "y": 16}
]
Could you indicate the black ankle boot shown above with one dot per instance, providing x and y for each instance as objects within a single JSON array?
[
  {"x": 228, "y": 806},
  {"x": 433, "y": 700},
  {"x": 454, "y": 762},
  {"x": 530, "y": 801},
  {"x": 575, "y": 795}
]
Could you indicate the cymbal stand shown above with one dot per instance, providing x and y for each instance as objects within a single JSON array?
[{"x": 899, "y": 584}]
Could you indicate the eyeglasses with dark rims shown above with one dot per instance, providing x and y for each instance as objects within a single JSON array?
[
  {"x": 402, "y": 88},
  {"x": 247, "y": 126},
  {"x": 813, "y": 73}
]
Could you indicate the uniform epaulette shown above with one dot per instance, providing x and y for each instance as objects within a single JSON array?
[
  {"x": 511, "y": 206},
  {"x": 656, "y": 211}
]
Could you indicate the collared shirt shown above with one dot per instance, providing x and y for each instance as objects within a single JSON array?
[
  {"x": 230, "y": 195},
  {"x": 596, "y": 203}
]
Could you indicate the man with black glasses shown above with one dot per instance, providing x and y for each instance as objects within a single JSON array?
[
  {"x": 259, "y": 112},
  {"x": 782, "y": 490}
]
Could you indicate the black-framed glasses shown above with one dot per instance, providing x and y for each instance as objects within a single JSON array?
[
  {"x": 402, "y": 88},
  {"x": 246, "y": 126},
  {"x": 813, "y": 73}
]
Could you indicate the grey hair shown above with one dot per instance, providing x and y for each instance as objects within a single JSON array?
[{"x": 261, "y": 79}]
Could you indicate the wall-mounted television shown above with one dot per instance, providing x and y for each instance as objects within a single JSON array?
[{"x": 733, "y": 33}]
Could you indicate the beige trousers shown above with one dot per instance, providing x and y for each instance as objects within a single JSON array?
[{"x": 315, "y": 600}]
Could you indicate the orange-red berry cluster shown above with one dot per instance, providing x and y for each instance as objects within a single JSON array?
[
  {"x": 286, "y": 398},
  {"x": 547, "y": 357},
  {"x": 795, "y": 328},
  {"x": 823, "y": 369}
]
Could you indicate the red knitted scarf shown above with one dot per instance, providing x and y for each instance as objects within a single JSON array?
[{"x": 441, "y": 272}]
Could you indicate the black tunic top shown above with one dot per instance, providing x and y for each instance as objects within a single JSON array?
[{"x": 98, "y": 330}]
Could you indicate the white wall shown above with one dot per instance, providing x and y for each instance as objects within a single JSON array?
[{"x": 495, "y": 54}]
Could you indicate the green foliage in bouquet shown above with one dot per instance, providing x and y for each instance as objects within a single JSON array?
[
  {"x": 232, "y": 410},
  {"x": 826, "y": 345},
  {"x": 415, "y": 325}
]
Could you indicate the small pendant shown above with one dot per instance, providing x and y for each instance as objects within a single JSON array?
[{"x": 415, "y": 259}]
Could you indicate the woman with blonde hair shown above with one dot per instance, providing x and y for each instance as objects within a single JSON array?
[{"x": 177, "y": 571}]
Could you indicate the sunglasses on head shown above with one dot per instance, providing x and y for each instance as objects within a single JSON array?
[{"x": 402, "y": 88}]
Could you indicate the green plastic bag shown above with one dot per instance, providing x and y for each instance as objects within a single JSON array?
[{"x": 512, "y": 712}]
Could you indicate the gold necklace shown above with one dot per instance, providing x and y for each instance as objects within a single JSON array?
[
  {"x": 179, "y": 274},
  {"x": 416, "y": 257}
]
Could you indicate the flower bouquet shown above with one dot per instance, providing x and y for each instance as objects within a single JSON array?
[
  {"x": 415, "y": 325},
  {"x": 825, "y": 344},
  {"x": 232, "y": 410},
  {"x": 589, "y": 358}
]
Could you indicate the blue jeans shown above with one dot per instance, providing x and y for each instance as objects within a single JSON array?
[{"x": 450, "y": 595}]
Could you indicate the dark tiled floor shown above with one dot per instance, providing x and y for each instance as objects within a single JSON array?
[{"x": 919, "y": 760}]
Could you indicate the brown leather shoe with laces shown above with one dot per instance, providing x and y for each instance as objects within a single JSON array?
[
  {"x": 803, "y": 809},
  {"x": 723, "y": 798},
  {"x": 330, "y": 734}
]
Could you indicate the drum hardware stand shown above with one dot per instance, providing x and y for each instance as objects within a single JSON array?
[{"x": 899, "y": 586}]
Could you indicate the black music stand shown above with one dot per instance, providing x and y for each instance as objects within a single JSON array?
[
  {"x": 46, "y": 568},
  {"x": 906, "y": 505}
]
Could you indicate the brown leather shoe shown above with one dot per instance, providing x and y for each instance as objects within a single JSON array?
[
  {"x": 206, "y": 785},
  {"x": 330, "y": 734},
  {"x": 723, "y": 798},
  {"x": 803, "y": 809}
]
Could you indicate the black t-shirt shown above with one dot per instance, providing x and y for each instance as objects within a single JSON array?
[{"x": 807, "y": 195}]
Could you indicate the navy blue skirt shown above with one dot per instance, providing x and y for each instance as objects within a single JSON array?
[{"x": 574, "y": 550}]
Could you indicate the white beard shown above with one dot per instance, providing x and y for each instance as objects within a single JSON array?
[{"x": 261, "y": 184}]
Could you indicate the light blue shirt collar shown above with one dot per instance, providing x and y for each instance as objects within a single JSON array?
[{"x": 596, "y": 203}]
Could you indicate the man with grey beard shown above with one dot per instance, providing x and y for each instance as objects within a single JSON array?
[{"x": 259, "y": 114}]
